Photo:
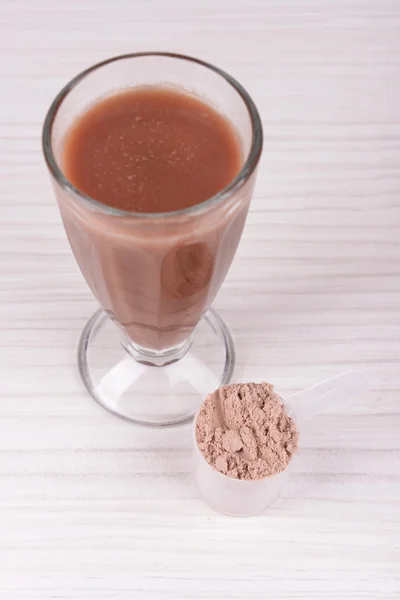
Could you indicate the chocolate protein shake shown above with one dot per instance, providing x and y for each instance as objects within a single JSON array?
[{"x": 147, "y": 151}]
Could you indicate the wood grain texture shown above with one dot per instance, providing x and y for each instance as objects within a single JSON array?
[{"x": 92, "y": 508}]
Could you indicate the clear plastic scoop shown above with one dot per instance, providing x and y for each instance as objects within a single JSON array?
[{"x": 238, "y": 497}]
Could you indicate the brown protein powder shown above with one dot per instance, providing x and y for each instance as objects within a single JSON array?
[{"x": 243, "y": 431}]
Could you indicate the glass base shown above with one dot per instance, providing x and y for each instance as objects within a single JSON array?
[{"x": 128, "y": 386}]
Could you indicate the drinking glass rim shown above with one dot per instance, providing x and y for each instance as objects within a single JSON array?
[{"x": 236, "y": 183}]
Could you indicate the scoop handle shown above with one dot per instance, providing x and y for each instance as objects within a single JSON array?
[{"x": 315, "y": 399}]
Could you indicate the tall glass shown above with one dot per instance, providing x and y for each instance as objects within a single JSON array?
[{"x": 155, "y": 349}]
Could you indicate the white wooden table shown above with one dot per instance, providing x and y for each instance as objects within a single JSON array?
[{"x": 92, "y": 508}]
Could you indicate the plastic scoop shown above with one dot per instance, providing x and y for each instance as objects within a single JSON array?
[{"x": 239, "y": 497}]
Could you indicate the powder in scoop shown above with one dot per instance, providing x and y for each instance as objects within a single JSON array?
[{"x": 244, "y": 432}]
